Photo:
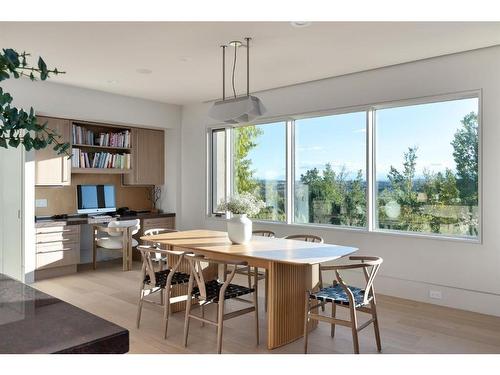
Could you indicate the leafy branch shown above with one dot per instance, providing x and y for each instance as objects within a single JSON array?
[{"x": 17, "y": 126}]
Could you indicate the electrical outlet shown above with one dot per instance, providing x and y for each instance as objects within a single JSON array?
[
  {"x": 41, "y": 203},
  {"x": 435, "y": 294}
]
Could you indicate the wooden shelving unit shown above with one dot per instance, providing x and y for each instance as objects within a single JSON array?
[
  {"x": 94, "y": 148},
  {"x": 103, "y": 147},
  {"x": 101, "y": 170}
]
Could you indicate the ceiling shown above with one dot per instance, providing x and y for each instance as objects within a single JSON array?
[{"x": 185, "y": 58}]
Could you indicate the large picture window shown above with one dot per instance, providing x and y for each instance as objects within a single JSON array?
[
  {"x": 330, "y": 170},
  {"x": 427, "y": 168},
  {"x": 422, "y": 157}
]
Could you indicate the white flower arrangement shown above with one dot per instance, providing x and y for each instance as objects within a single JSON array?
[{"x": 242, "y": 204}]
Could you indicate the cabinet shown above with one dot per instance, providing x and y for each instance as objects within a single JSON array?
[
  {"x": 52, "y": 169},
  {"x": 57, "y": 249},
  {"x": 148, "y": 161}
]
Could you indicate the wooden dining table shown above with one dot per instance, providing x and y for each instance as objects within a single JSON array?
[{"x": 292, "y": 268}]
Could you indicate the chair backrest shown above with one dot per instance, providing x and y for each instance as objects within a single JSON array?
[
  {"x": 147, "y": 255},
  {"x": 155, "y": 231},
  {"x": 305, "y": 237},
  {"x": 134, "y": 224},
  {"x": 264, "y": 233},
  {"x": 370, "y": 266}
]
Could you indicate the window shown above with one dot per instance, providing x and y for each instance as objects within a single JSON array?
[
  {"x": 427, "y": 168},
  {"x": 423, "y": 167},
  {"x": 330, "y": 170},
  {"x": 218, "y": 164},
  {"x": 259, "y": 166}
]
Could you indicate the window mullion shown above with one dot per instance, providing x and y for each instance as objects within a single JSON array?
[
  {"x": 229, "y": 163},
  {"x": 370, "y": 169},
  {"x": 290, "y": 178}
]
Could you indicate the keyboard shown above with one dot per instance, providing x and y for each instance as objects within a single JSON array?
[{"x": 100, "y": 219}]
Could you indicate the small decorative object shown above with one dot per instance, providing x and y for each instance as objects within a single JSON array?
[
  {"x": 154, "y": 196},
  {"x": 239, "y": 226}
]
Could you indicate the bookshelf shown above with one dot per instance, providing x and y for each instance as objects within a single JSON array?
[{"x": 100, "y": 148}]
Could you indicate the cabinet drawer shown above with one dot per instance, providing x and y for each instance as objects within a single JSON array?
[
  {"x": 57, "y": 258},
  {"x": 56, "y": 246},
  {"x": 161, "y": 222},
  {"x": 67, "y": 237},
  {"x": 59, "y": 228}
]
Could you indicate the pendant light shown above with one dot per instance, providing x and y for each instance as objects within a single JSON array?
[{"x": 238, "y": 109}]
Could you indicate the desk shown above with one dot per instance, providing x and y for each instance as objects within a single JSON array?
[
  {"x": 290, "y": 264},
  {"x": 62, "y": 244}
]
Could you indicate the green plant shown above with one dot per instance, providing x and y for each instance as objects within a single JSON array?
[
  {"x": 242, "y": 204},
  {"x": 17, "y": 126}
]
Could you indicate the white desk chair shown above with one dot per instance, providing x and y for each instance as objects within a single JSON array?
[{"x": 119, "y": 238}]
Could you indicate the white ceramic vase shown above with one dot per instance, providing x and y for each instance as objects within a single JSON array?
[{"x": 239, "y": 229}]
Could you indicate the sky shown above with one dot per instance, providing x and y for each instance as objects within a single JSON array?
[{"x": 341, "y": 140}]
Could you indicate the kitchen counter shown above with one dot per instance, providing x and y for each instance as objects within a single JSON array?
[
  {"x": 35, "y": 322},
  {"x": 81, "y": 220}
]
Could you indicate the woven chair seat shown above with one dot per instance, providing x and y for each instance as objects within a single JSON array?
[
  {"x": 161, "y": 278},
  {"x": 213, "y": 289},
  {"x": 336, "y": 294}
]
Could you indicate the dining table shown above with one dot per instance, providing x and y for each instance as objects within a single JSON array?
[{"x": 292, "y": 267}]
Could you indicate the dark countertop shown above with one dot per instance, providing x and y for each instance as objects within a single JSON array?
[
  {"x": 79, "y": 220},
  {"x": 35, "y": 322}
]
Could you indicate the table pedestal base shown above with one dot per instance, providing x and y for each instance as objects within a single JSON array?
[{"x": 286, "y": 301}]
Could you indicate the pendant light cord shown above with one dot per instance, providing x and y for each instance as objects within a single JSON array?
[{"x": 234, "y": 67}]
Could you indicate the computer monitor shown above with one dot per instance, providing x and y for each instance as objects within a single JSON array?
[{"x": 95, "y": 198}]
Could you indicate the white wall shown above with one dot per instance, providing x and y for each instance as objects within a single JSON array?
[{"x": 466, "y": 273}]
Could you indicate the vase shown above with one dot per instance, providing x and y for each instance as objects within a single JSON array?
[{"x": 239, "y": 229}]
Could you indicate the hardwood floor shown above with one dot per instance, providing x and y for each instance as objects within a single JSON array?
[{"x": 406, "y": 326}]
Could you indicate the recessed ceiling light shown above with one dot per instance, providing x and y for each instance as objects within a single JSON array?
[
  {"x": 144, "y": 71},
  {"x": 300, "y": 23}
]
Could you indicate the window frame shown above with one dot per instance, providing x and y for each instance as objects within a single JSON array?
[{"x": 370, "y": 170}]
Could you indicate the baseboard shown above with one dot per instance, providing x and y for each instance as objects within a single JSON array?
[
  {"x": 54, "y": 272},
  {"x": 480, "y": 302}
]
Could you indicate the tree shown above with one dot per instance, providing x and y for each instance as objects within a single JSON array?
[
  {"x": 17, "y": 126},
  {"x": 466, "y": 145},
  {"x": 441, "y": 193},
  {"x": 466, "y": 150},
  {"x": 245, "y": 140},
  {"x": 403, "y": 193},
  {"x": 334, "y": 199},
  {"x": 355, "y": 202}
]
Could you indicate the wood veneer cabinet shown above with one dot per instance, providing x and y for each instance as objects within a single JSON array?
[
  {"x": 52, "y": 169},
  {"x": 148, "y": 162}
]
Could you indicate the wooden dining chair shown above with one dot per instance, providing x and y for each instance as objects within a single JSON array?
[
  {"x": 153, "y": 281},
  {"x": 264, "y": 233},
  {"x": 160, "y": 259},
  {"x": 214, "y": 291},
  {"x": 305, "y": 238},
  {"x": 341, "y": 294}
]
